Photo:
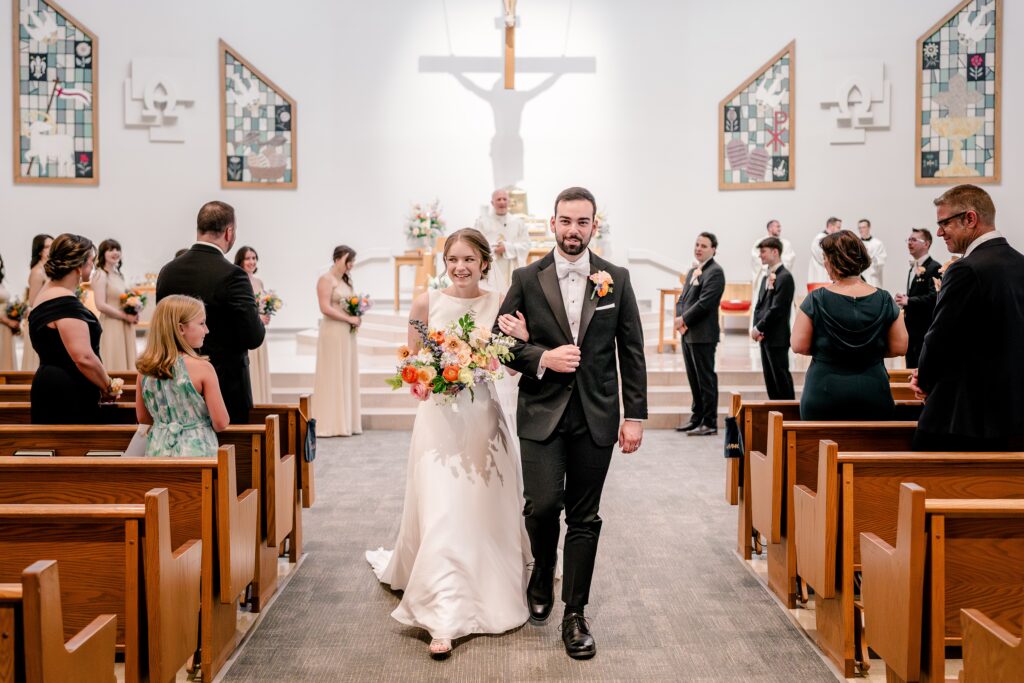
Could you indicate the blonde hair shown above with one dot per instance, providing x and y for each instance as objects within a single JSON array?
[{"x": 165, "y": 341}]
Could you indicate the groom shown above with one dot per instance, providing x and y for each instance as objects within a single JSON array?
[{"x": 581, "y": 313}]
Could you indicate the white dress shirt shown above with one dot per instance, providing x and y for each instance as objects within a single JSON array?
[
  {"x": 572, "y": 281},
  {"x": 211, "y": 244},
  {"x": 995, "y": 234}
]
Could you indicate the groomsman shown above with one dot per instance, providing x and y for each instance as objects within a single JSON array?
[
  {"x": 771, "y": 320},
  {"x": 788, "y": 259},
  {"x": 816, "y": 273},
  {"x": 971, "y": 374},
  {"x": 697, "y": 311},
  {"x": 509, "y": 238},
  {"x": 918, "y": 303},
  {"x": 876, "y": 250}
]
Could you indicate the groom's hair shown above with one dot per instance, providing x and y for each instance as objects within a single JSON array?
[{"x": 576, "y": 193}]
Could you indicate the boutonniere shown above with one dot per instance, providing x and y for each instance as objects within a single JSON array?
[
  {"x": 771, "y": 281},
  {"x": 602, "y": 284},
  {"x": 920, "y": 271},
  {"x": 948, "y": 263},
  {"x": 697, "y": 272}
]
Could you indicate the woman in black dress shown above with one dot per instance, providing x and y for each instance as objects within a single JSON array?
[
  {"x": 848, "y": 328},
  {"x": 71, "y": 379}
]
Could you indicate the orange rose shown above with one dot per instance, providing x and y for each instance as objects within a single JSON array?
[
  {"x": 426, "y": 375},
  {"x": 604, "y": 290},
  {"x": 451, "y": 373},
  {"x": 438, "y": 337},
  {"x": 410, "y": 374},
  {"x": 354, "y": 300}
]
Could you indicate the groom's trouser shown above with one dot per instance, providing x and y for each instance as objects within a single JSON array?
[
  {"x": 699, "y": 360},
  {"x": 566, "y": 470}
]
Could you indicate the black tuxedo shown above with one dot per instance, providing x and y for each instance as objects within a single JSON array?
[
  {"x": 698, "y": 307},
  {"x": 569, "y": 422},
  {"x": 917, "y": 312},
  {"x": 231, "y": 315},
  {"x": 971, "y": 366},
  {"x": 771, "y": 318}
]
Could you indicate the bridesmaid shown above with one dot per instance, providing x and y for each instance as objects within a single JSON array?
[
  {"x": 336, "y": 384},
  {"x": 9, "y": 327},
  {"x": 259, "y": 359},
  {"x": 117, "y": 345},
  {"x": 36, "y": 280}
]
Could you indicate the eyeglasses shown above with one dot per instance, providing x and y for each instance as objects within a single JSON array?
[
  {"x": 945, "y": 221},
  {"x": 915, "y": 239}
]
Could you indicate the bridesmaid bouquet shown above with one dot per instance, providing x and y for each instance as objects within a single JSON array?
[
  {"x": 268, "y": 303},
  {"x": 357, "y": 305},
  {"x": 133, "y": 301},
  {"x": 16, "y": 311},
  {"x": 451, "y": 360}
]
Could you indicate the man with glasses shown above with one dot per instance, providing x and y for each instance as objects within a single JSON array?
[
  {"x": 971, "y": 373},
  {"x": 919, "y": 301}
]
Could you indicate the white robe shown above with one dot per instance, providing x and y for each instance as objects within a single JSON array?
[
  {"x": 816, "y": 266},
  {"x": 512, "y": 232},
  {"x": 876, "y": 250}
]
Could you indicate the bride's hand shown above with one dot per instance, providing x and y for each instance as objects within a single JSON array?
[{"x": 514, "y": 326}]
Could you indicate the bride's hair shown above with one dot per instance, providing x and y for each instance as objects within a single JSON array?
[{"x": 475, "y": 239}]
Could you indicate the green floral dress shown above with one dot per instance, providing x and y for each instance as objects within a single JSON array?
[{"x": 181, "y": 420}]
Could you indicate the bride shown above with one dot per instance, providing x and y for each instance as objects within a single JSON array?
[{"x": 462, "y": 551}]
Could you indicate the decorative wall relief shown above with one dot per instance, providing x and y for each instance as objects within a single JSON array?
[
  {"x": 157, "y": 96},
  {"x": 959, "y": 68},
  {"x": 56, "y": 96},
  {"x": 258, "y": 131},
  {"x": 861, "y": 101},
  {"x": 755, "y": 128}
]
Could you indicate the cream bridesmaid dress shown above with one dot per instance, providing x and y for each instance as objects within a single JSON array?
[
  {"x": 29, "y": 357},
  {"x": 117, "y": 345},
  {"x": 259, "y": 364},
  {"x": 336, "y": 384},
  {"x": 6, "y": 335}
]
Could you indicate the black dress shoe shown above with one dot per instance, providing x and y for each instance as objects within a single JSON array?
[
  {"x": 540, "y": 594},
  {"x": 703, "y": 430},
  {"x": 579, "y": 644},
  {"x": 689, "y": 426}
]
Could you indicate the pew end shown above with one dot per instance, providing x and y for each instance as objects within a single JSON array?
[
  {"x": 305, "y": 467},
  {"x": 991, "y": 653},
  {"x": 766, "y": 471},
  {"x": 732, "y": 465},
  {"x": 817, "y": 524},
  {"x": 892, "y": 588},
  {"x": 237, "y": 528},
  {"x": 87, "y": 657}
]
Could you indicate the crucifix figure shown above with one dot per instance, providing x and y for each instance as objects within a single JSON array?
[{"x": 510, "y": 44}]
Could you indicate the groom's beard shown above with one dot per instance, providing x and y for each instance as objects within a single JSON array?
[{"x": 573, "y": 248}]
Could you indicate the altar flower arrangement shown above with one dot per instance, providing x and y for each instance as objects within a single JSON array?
[
  {"x": 16, "y": 311},
  {"x": 268, "y": 303},
  {"x": 425, "y": 222},
  {"x": 452, "y": 360},
  {"x": 133, "y": 301},
  {"x": 357, "y": 305}
]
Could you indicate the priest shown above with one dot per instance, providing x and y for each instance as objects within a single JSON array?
[{"x": 509, "y": 239}]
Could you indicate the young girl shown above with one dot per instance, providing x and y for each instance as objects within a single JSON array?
[{"x": 178, "y": 392}]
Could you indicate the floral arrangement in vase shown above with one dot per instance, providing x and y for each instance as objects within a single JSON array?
[{"x": 424, "y": 223}]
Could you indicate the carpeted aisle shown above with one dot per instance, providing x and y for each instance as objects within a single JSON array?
[{"x": 670, "y": 601}]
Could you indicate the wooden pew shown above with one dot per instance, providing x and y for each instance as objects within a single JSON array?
[
  {"x": 791, "y": 459},
  {"x": 991, "y": 653},
  {"x": 114, "y": 558},
  {"x": 752, "y": 417},
  {"x": 901, "y": 376},
  {"x": 22, "y": 393},
  {"x": 859, "y": 493},
  {"x": 949, "y": 555},
  {"x": 205, "y": 506},
  {"x": 32, "y": 643},
  {"x": 21, "y": 377},
  {"x": 258, "y": 464}
]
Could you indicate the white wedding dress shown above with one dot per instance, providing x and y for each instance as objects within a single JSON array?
[{"x": 462, "y": 550}]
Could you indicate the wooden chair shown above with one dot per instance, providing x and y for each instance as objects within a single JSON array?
[
  {"x": 737, "y": 301},
  {"x": 672, "y": 295},
  {"x": 32, "y": 647}
]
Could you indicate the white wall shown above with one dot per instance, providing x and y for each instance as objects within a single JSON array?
[{"x": 375, "y": 134}]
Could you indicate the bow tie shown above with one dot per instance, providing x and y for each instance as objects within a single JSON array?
[{"x": 565, "y": 268}]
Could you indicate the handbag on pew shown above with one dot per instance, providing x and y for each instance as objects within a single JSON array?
[
  {"x": 733, "y": 438},
  {"x": 310, "y": 454}
]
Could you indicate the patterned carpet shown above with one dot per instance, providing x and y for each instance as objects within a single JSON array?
[{"x": 670, "y": 601}]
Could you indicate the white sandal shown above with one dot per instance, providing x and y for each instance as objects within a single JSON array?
[{"x": 440, "y": 648}]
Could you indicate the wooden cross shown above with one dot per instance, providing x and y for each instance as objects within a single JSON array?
[{"x": 510, "y": 44}]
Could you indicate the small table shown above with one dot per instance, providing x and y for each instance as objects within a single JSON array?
[
  {"x": 412, "y": 258},
  {"x": 671, "y": 341}
]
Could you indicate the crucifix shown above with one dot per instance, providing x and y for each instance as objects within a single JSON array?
[{"x": 510, "y": 44}]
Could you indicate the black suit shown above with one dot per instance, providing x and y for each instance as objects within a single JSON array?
[
  {"x": 771, "y": 318},
  {"x": 971, "y": 366},
  {"x": 917, "y": 312},
  {"x": 235, "y": 326},
  {"x": 698, "y": 307},
  {"x": 568, "y": 422}
]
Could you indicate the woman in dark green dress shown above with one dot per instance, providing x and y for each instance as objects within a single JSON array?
[{"x": 848, "y": 328}]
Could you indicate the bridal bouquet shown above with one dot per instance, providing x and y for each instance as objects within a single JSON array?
[
  {"x": 268, "y": 303},
  {"x": 357, "y": 305},
  {"x": 133, "y": 301},
  {"x": 425, "y": 222},
  {"x": 16, "y": 311},
  {"x": 451, "y": 360}
]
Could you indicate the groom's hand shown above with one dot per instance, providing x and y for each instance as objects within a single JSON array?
[
  {"x": 631, "y": 434},
  {"x": 562, "y": 358}
]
